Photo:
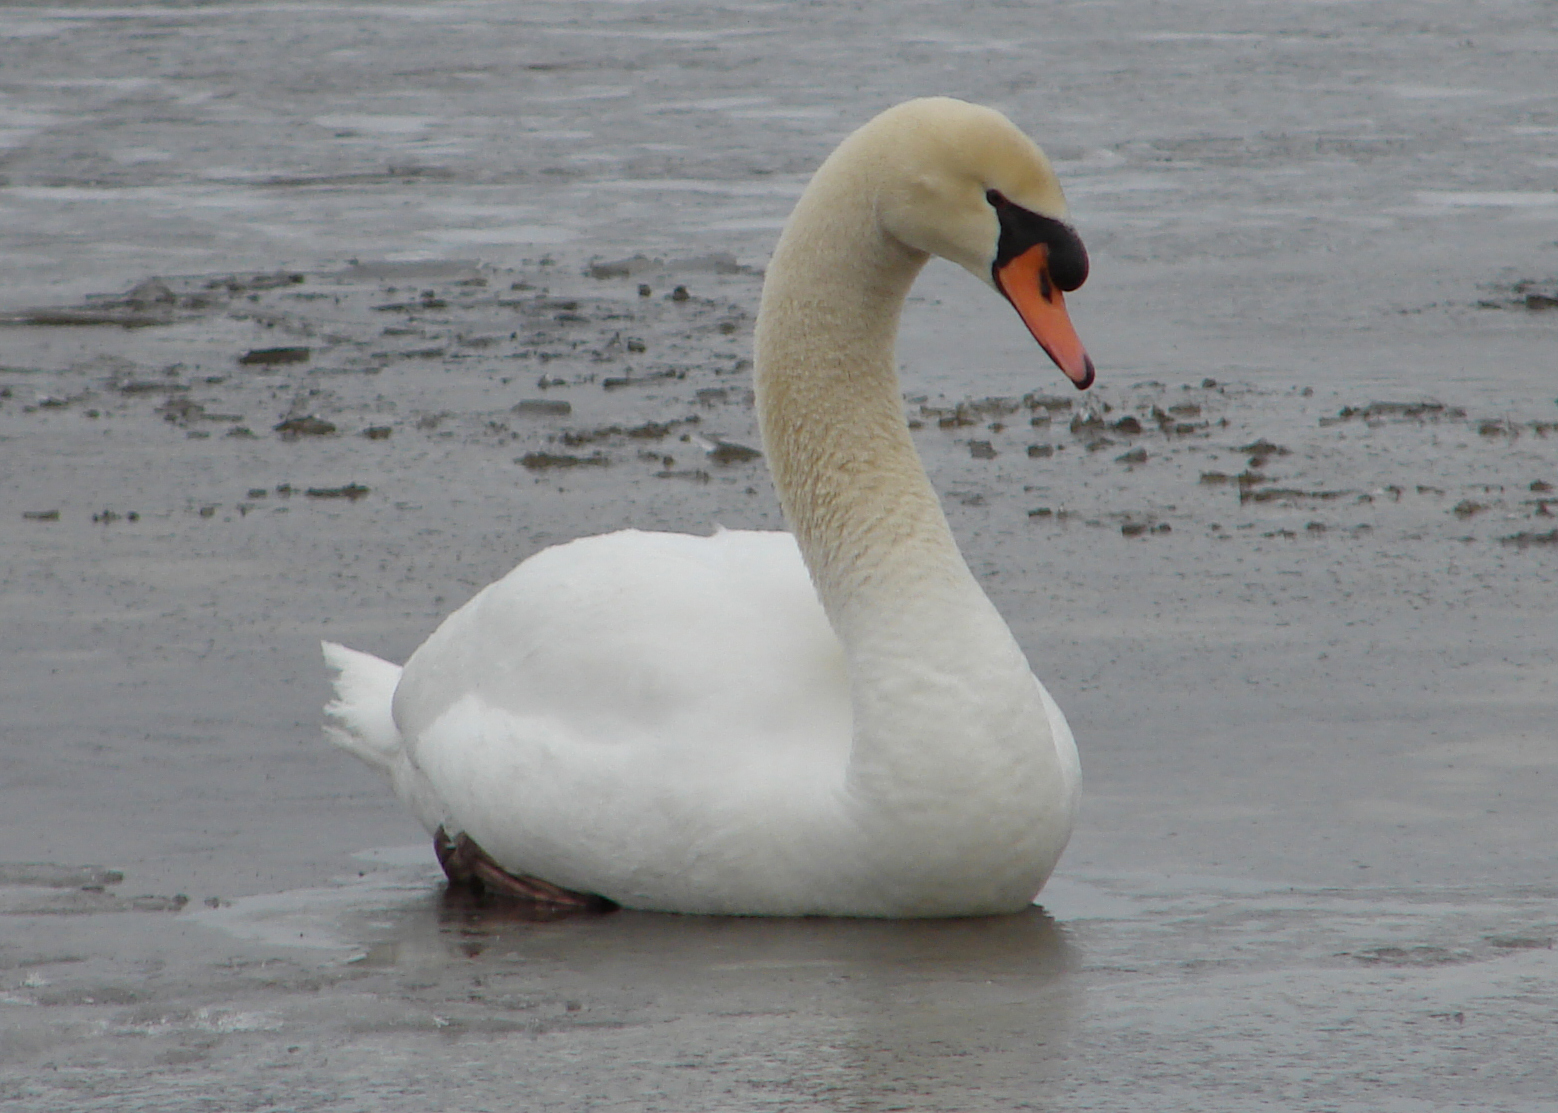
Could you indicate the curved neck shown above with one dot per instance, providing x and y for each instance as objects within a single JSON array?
[
  {"x": 919, "y": 635},
  {"x": 868, "y": 522},
  {"x": 944, "y": 706}
]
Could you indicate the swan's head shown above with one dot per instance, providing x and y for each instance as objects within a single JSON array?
[{"x": 972, "y": 188}]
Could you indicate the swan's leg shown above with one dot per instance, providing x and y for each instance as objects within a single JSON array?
[{"x": 466, "y": 863}]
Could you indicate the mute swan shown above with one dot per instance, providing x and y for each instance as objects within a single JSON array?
[{"x": 833, "y": 721}]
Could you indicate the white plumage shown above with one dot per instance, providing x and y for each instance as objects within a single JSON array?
[{"x": 831, "y": 722}]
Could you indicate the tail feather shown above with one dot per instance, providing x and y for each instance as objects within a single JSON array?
[
  {"x": 359, "y": 718},
  {"x": 360, "y": 721}
]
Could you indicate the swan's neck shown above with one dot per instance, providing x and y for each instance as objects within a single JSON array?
[
  {"x": 931, "y": 664},
  {"x": 853, "y": 490}
]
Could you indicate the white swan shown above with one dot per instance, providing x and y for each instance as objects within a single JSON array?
[{"x": 695, "y": 724}]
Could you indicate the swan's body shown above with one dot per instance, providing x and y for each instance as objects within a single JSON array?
[{"x": 831, "y": 722}]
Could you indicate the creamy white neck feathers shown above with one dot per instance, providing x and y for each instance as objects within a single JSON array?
[{"x": 930, "y": 660}]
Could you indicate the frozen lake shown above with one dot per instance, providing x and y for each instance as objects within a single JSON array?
[{"x": 1299, "y": 614}]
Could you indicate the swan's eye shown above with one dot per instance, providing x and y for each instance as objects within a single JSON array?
[{"x": 995, "y": 197}]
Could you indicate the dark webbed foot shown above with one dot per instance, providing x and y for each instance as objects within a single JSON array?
[{"x": 467, "y": 864}]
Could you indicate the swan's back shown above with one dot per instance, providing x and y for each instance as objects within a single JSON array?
[{"x": 636, "y": 632}]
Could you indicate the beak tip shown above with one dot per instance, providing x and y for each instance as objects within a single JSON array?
[{"x": 1088, "y": 374}]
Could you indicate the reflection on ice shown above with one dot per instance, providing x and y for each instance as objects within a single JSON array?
[
  {"x": 826, "y": 1013},
  {"x": 1140, "y": 980}
]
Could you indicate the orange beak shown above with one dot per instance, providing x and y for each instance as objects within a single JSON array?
[{"x": 1026, "y": 282}]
